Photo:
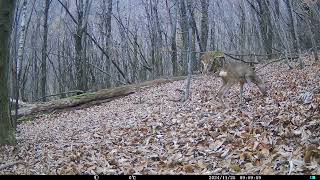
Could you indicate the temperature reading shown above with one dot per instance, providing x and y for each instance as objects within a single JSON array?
[
  {"x": 96, "y": 177},
  {"x": 132, "y": 177}
]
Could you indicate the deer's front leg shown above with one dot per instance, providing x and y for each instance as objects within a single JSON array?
[
  {"x": 224, "y": 82},
  {"x": 224, "y": 89}
]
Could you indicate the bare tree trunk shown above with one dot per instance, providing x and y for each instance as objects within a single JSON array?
[
  {"x": 292, "y": 25},
  {"x": 135, "y": 63},
  {"x": 242, "y": 27},
  {"x": 35, "y": 69},
  {"x": 155, "y": 32},
  {"x": 44, "y": 51},
  {"x": 189, "y": 54},
  {"x": 294, "y": 33},
  {"x": 281, "y": 38},
  {"x": 265, "y": 26},
  {"x": 212, "y": 30},
  {"x": 204, "y": 24},
  {"x": 184, "y": 33},
  {"x": 313, "y": 41},
  {"x": 159, "y": 40},
  {"x": 61, "y": 69},
  {"x": 20, "y": 57},
  {"x": 78, "y": 47},
  {"x": 196, "y": 62},
  {"x": 108, "y": 40},
  {"x": 6, "y": 15},
  {"x": 173, "y": 23}
]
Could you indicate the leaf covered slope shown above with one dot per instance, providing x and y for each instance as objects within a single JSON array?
[{"x": 268, "y": 135}]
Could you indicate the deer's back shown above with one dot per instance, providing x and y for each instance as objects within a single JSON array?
[{"x": 236, "y": 72}]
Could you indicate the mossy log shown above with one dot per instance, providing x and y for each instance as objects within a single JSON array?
[{"x": 91, "y": 98}]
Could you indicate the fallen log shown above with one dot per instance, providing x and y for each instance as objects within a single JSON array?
[{"x": 91, "y": 98}]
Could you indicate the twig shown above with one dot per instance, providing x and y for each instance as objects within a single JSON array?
[
  {"x": 274, "y": 62},
  {"x": 256, "y": 54},
  {"x": 229, "y": 55}
]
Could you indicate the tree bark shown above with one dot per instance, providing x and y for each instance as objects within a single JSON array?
[
  {"x": 19, "y": 59},
  {"x": 35, "y": 69},
  {"x": 108, "y": 39},
  {"x": 204, "y": 24},
  {"x": 159, "y": 40},
  {"x": 292, "y": 25},
  {"x": 6, "y": 16},
  {"x": 184, "y": 33},
  {"x": 313, "y": 41},
  {"x": 44, "y": 51},
  {"x": 242, "y": 27},
  {"x": 78, "y": 47},
  {"x": 189, "y": 54},
  {"x": 294, "y": 33},
  {"x": 265, "y": 26},
  {"x": 173, "y": 23}
]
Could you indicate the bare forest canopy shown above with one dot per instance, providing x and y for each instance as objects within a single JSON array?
[{"x": 61, "y": 47}]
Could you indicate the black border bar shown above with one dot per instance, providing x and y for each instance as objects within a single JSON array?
[{"x": 153, "y": 177}]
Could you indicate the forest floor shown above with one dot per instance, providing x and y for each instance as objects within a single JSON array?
[{"x": 277, "y": 134}]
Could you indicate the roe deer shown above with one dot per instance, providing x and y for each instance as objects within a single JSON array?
[
  {"x": 208, "y": 58},
  {"x": 234, "y": 73}
]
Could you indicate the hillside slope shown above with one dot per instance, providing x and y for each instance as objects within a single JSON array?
[{"x": 268, "y": 135}]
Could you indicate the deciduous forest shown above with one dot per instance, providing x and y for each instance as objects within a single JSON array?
[{"x": 159, "y": 87}]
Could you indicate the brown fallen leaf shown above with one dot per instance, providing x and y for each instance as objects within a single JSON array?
[
  {"x": 265, "y": 152},
  {"x": 188, "y": 169},
  {"x": 311, "y": 152}
]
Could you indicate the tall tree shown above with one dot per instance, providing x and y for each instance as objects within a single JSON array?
[
  {"x": 159, "y": 44},
  {"x": 265, "y": 25},
  {"x": 189, "y": 54},
  {"x": 17, "y": 74},
  {"x": 294, "y": 31},
  {"x": 310, "y": 13},
  {"x": 184, "y": 32},
  {"x": 204, "y": 24},
  {"x": 43, "y": 81},
  {"x": 6, "y": 16},
  {"x": 155, "y": 33},
  {"x": 242, "y": 27},
  {"x": 292, "y": 25},
  {"x": 108, "y": 37},
  {"x": 173, "y": 23},
  {"x": 82, "y": 21},
  {"x": 196, "y": 34}
]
